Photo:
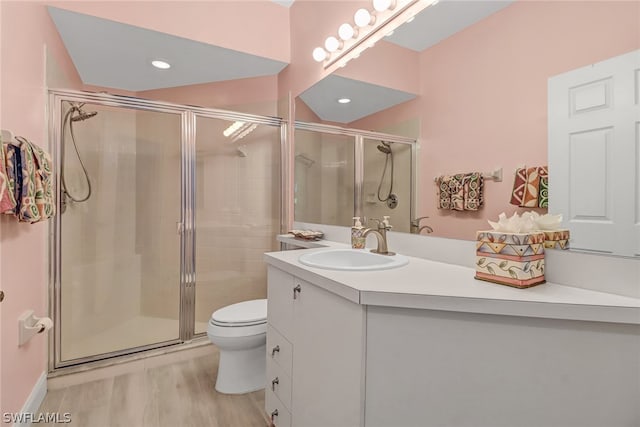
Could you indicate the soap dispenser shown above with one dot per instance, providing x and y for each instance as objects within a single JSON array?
[{"x": 357, "y": 239}]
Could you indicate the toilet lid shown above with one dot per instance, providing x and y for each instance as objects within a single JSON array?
[{"x": 242, "y": 313}]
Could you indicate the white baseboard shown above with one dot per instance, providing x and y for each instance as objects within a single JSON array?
[{"x": 35, "y": 399}]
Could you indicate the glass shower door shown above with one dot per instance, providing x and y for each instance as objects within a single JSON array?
[
  {"x": 237, "y": 211},
  {"x": 119, "y": 248}
]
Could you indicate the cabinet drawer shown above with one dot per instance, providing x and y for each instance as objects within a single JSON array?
[
  {"x": 280, "y": 300},
  {"x": 279, "y": 383},
  {"x": 277, "y": 413},
  {"x": 279, "y": 349}
]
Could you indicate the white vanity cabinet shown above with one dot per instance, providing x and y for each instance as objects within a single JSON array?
[{"x": 315, "y": 355}]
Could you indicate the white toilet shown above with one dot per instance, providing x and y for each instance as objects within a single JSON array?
[{"x": 240, "y": 333}]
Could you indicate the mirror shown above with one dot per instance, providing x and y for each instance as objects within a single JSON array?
[{"x": 481, "y": 96}]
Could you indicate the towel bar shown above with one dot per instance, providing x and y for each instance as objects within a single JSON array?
[{"x": 495, "y": 175}]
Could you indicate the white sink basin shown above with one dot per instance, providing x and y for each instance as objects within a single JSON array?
[{"x": 352, "y": 260}]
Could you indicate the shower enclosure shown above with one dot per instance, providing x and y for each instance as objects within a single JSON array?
[
  {"x": 163, "y": 217},
  {"x": 341, "y": 173}
]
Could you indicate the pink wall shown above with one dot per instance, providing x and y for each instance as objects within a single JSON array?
[
  {"x": 238, "y": 95},
  {"x": 388, "y": 65},
  {"x": 484, "y": 94},
  {"x": 255, "y": 27},
  {"x": 26, "y": 30}
]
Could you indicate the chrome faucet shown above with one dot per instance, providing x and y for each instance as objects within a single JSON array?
[
  {"x": 415, "y": 226},
  {"x": 381, "y": 236}
]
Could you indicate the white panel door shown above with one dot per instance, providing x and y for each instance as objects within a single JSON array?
[{"x": 594, "y": 154}]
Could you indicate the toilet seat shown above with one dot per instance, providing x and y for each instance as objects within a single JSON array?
[
  {"x": 243, "y": 319},
  {"x": 246, "y": 313}
]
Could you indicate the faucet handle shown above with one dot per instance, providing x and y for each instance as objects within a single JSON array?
[
  {"x": 416, "y": 222},
  {"x": 385, "y": 222}
]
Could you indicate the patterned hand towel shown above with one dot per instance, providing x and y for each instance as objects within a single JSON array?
[
  {"x": 461, "y": 192},
  {"x": 517, "y": 196},
  {"x": 36, "y": 199},
  {"x": 444, "y": 195},
  {"x": 456, "y": 189},
  {"x": 13, "y": 165},
  {"x": 532, "y": 187},
  {"x": 473, "y": 190},
  {"x": 543, "y": 200},
  {"x": 7, "y": 201}
]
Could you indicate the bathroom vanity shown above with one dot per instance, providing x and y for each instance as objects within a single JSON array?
[{"x": 427, "y": 345}]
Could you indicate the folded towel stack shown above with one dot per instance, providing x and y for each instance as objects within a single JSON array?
[
  {"x": 530, "y": 187},
  {"x": 461, "y": 192}
]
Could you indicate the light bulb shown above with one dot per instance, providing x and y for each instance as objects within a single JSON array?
[
  {"x": 382, "y": 5},
  {"x": 344, "y": 100},
  {"x": 346, "y": 32},
  {"x": 319, "y": 54},
  {"x": 332, "y": 44},
  {"x": 363, "y": 17}
]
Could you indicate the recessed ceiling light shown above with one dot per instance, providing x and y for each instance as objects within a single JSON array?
[
  {"x": 344, "y": 100},
  {"x": 163, "y": 65}
]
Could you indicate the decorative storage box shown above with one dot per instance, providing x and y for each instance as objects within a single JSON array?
[
  {"x": 557, "y": 239},
  {"x": 513, "y": 259}
]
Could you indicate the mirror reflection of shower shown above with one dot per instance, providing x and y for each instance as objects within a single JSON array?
[
  {"x": 74, "y": 114},
  {"x": 390, "y": 199}
]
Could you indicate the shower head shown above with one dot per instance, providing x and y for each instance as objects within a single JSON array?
[
  {"x": 385, "y": 147},
  {"x": 82, "y": 115}
]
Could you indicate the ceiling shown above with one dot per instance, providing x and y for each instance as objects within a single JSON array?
[
  {"x": 116, "y": 55},
  {"x": 442, "y": 20},
  {"x": 431, "y": 26},
  {"x": 366, "y": 98}
]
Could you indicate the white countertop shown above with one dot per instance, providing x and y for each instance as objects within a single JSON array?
[{"x": 425, "y": 284}]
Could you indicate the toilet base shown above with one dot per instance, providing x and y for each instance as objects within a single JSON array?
[{"x": 242, "y": 371}]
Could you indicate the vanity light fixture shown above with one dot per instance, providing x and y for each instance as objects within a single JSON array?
[
  {"x": 370, "y": 26},
  {"x": 382, "y": 5},
  {"x": 346, "y": 32},
  {"x": 160, "y": 64},
  {"x": 363, "y": 18},
  {"x": 319, "y": 54},
  {"x": 344, "y": 100},
  {"x": 331, "y": 44}
]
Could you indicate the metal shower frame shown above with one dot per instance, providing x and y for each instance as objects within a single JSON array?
[{"x": 188, "y": 115}]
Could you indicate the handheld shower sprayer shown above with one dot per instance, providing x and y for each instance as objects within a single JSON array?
[
  {"x": 390, "y": 199},
  {"x": 73, "y": 114}
]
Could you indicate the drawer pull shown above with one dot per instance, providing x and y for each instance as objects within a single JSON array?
[
  {"x": 296, "y": 291},
  {"x": 275, "y": 350},
  {"x": 275, "y": 381},
  {"x": 274, "y": 414}
]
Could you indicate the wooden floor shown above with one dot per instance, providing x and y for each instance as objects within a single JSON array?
[{"x": 181, "y": 394}]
